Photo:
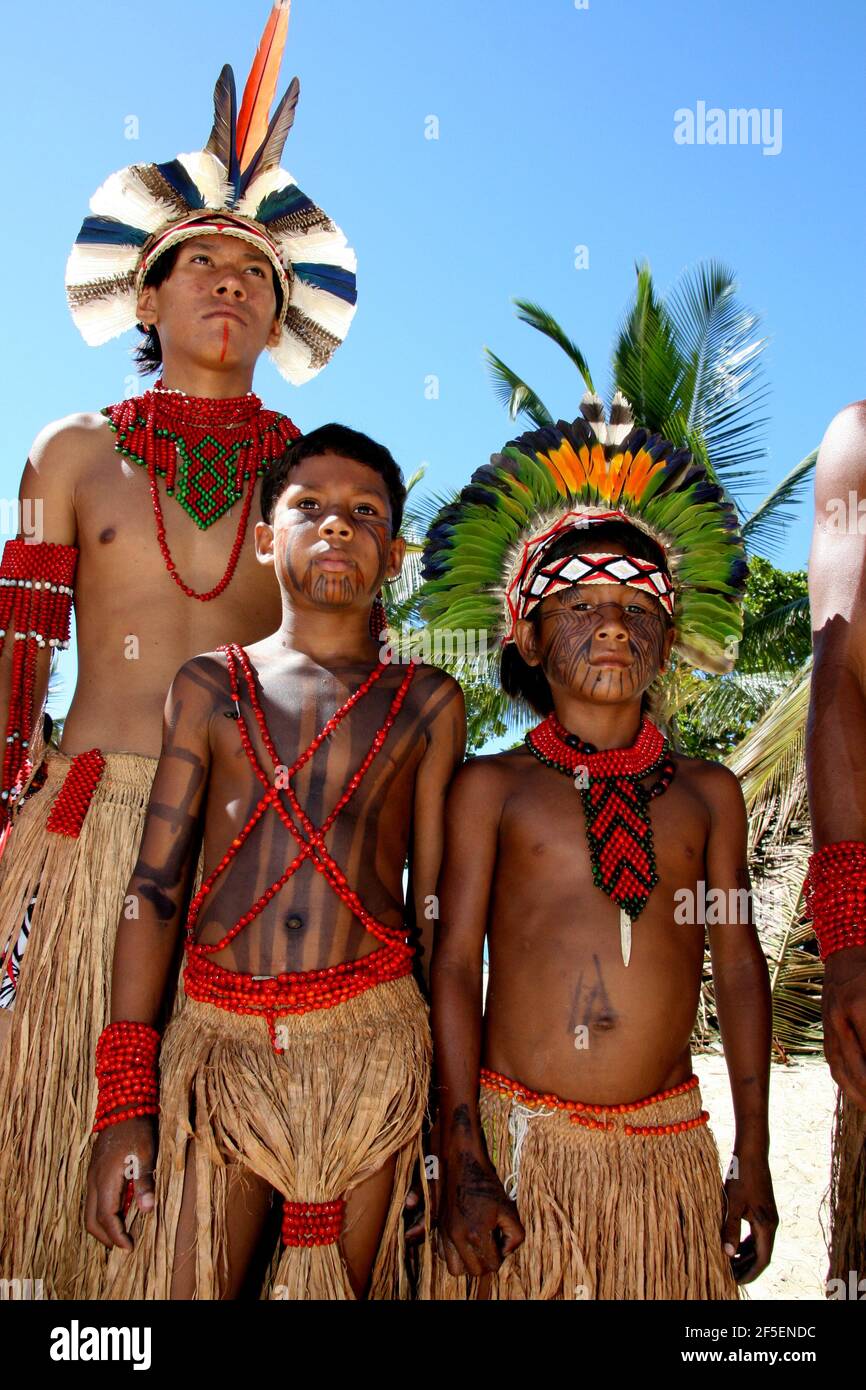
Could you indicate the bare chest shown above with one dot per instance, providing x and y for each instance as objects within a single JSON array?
[
  {"x": 130, "y": 542},
  {"x": 543, "y": 834}
]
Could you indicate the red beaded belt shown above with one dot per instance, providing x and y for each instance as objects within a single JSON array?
[
  {"x": 313, "y": 1223},
  {"x": 297, "y": 992},
  {"x": 592, "y": 1116},
  {"x": 72, "y": 802}
]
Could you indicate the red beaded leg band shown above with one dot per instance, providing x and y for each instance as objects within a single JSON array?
[
  {"x": 73, "y": 800},
  {"x": 835, "y": 892},
  {"x": 126, "y": 1073},
  {"x": 313, "y": 1223},
  {"x": 35, "y": 607}
]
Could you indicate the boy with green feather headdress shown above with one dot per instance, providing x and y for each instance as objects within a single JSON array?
[{"x": 591, "y": 858}]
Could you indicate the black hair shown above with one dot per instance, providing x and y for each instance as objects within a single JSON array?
[
  {"x": 522, "y": 681},
  {"x": 148, "y": 355},
  {"x": 335, "y": 439}
]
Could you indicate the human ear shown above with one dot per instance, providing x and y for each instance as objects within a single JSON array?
[
  {"x": 264, "y": 542},
  {"x": 275, "y": 334},
  {"x": 526, "y": 641},
  {"x": 396, "y": 555},
  {"x": 146, "y": 306}
]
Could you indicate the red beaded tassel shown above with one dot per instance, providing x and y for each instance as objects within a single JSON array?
[
  {"x": 313, "y": 1223},
  {"x": 835, "y": 892},
  {"x": 378, "y": 617},
  {"x": 126, "y": 1074},
  {"x": 73, "y": 800},
  {"x": 35, "y": 606}
]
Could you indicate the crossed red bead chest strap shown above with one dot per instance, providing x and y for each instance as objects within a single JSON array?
[
  {"x": 72, "y": 802},
  {"x": 295, "y": 991}
]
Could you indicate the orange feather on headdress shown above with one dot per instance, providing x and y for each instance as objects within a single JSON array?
[{"x": 262, "y": 84}]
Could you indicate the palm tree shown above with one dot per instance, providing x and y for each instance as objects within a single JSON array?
[{"x": 690, "y": 365}]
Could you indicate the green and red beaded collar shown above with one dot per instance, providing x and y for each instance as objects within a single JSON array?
[{"x": 210, "y": 453}]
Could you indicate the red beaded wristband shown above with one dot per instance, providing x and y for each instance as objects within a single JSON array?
[
  {"x": 835, "y": 892},
  {"x": 126, "y": 1074}
]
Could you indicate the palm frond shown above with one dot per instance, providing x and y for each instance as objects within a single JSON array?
[
  {"x": 777, "y": 641},
  {"x": 733, "y": 701},
  {"x": 646, "y": 363},
  {"x": 514, "y": 394},
  {"x": 543, "y": 322},
  {"x": 768, "y": 523},
  {"x": 718, "y": 343},
  {"x": 795, "y": 967},
  {"x": 770, "y": 760}
]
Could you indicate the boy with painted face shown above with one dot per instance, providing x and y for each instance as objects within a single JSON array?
[
  {"x": 585, "y": 1169},
  {"x": 298, "y": 1064}
]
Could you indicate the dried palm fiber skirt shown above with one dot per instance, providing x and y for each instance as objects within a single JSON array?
[
  {"x": 74, "y": 887},
  {"x": 348, "y": 1091},
  {"x": 608, "y": 1214},
  {"x": 848, "y": 1192}
]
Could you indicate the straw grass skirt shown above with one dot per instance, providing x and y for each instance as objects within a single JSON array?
[
  {"x": 848, "y": 1193},
  {"x": 348, "y": 1092},
  {"x": 47, "y": 1083},
  {"x": 607, "y": 1215}
]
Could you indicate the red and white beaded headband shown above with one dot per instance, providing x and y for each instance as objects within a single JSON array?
[
  {"x": 535, "y": 579},
  {"x": 210, "y": 224}
]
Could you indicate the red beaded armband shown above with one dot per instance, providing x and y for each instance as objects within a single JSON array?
[
  {"x": 835, "y": 892},
  {"x": 35, "y": 607},
  {"x": 126, "y": 1074}
]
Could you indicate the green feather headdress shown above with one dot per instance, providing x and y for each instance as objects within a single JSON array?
[{"x": 477, "y": 544}]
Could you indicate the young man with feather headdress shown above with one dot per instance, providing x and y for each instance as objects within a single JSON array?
[{"x": 216, "y": 256}]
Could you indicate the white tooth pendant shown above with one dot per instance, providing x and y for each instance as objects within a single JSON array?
[{"x": 625, "y": 935}]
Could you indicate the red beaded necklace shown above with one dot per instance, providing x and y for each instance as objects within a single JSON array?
[
  {"x": 616, "y": 808},
  {"x": 210, "y": 452},
  {"x": 297, "y": 991}
]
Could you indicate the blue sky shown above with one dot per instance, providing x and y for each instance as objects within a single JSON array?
[{"x": 555, "y": 129}]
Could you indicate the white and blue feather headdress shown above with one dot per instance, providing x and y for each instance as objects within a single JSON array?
[{"x": 234, "y": 185}]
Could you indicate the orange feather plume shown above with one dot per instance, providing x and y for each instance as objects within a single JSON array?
[{"x": 262, "y": 83}]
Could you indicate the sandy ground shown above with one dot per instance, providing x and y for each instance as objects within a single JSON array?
[{"x": 802, "y": 1102}]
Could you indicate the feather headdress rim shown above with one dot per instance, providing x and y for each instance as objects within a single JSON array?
[
  {"x": 525, "y": 556},
  {"x": 211, "y": 223},
  {"x": 526, "y": 488}
]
